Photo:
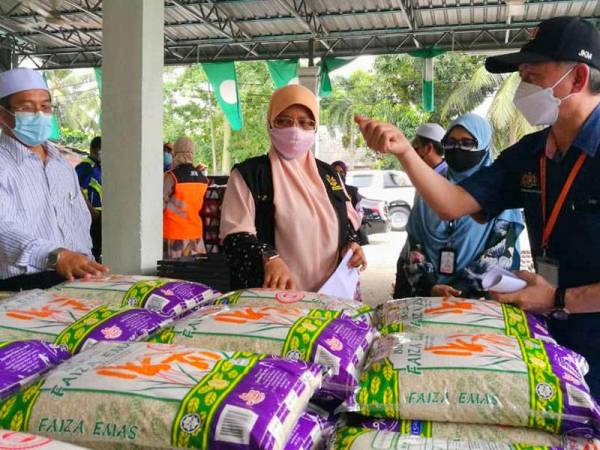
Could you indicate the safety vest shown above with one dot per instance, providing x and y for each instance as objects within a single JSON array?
[
  {"x": 90, "y": 179},
  {"x": 182, "y": 215}
]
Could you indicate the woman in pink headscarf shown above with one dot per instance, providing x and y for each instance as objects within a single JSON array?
[{"x": 285, "y": 221}]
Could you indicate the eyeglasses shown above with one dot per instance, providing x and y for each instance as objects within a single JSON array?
[
  {"x": 461, "y": 144},
  {"x": 46, "y": 109},
  {"x": 287, "y": 122}
]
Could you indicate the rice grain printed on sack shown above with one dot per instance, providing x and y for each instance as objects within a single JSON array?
[
  {"x": 298, "y": 299},
  {"x": 448, "y": 315},
  {"x": 477, "y": 378},
  {"x": 362, "y": 438},
  {"x": 320, "y": 336},
  {"x": 165, "y": 396},
  {"x": 164, "y": 295}
]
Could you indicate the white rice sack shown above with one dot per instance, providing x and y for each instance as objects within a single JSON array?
[
  {"x": 73, "y": 323},
  {"x": 485, "y": 379},
  {"x": 164, "y": 295},
  {"x": 166, "y": 396},
  {"x": 13, "y": 440},
  {"x": 363, "y": 438},
  {"x": 471, "y": 432},
  {"x": 448, "y": 315},
  {"x": 320, "y": 336},
  {"x": 41, "y": 315},
  {"x": 299, "y": 299}
]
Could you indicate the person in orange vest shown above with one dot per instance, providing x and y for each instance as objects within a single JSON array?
[{"x": 184, "y": 189}]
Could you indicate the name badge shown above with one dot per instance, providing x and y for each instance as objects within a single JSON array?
[
  {"x": 447, "y": 261},
  {"x": 548, "y": 268}
]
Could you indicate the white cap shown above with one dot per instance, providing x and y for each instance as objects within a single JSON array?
[
  {"x": 17, "y": 80},
  {"x": 431, "y": 131}
]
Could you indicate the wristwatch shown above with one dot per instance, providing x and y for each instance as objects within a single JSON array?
[
  {"x": 269, "y": 255},
  {"x": 53, "y": 258},
  {"x": 559, "y": 312}
]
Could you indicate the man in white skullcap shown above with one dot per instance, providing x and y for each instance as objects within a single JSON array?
[
  {"x": 44, "y": 220},
  {"x": 428, "y": 144}
]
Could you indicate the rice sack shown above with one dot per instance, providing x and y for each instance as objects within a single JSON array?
[
  {"x": 311, "y": 432},
  {"x": 320, "y": 336},
  {"x": 164, "y": 295},
  {"x": 165, "y": 396},
  {"x": 74, "y": 323},
  {"x": 485, "y": 379},
  {"x": 298, "y": 299},
  {"x": 363, "y": 438},
  {"x": 443, "y": 315},
  {"x": 22, "y": 362},
  {"x": 473, "y": 432},
  {"x": 13, "y": 440}
]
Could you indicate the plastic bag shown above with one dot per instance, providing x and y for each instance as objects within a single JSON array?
[
  {"x": 164, "y": 295},
  {"x": 485, "y": 379},
  {"x": 444, "y": 315},
  {"x": 143, "y": 394}
]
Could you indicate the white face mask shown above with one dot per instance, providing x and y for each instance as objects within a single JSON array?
[{"x": 537, "y": 104}]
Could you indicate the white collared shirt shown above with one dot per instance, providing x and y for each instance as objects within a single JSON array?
[{"x": 41, "y": 208}]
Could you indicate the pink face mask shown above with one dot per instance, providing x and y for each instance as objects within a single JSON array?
[{"x": 292, "y": 142}]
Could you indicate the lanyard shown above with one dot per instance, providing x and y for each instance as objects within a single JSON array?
[{"x": 560, "y": 201}]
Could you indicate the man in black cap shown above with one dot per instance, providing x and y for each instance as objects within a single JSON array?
[{"x": 551, "y": 173}]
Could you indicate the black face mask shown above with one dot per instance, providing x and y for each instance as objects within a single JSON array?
[{"x": 462, "y": 160}]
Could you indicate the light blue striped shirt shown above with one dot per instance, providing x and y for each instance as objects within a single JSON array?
[{"x": 41, "y": 208}]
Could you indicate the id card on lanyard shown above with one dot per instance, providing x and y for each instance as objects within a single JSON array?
[
  {"x": 549, "y": 267},
  {"x": 447, "y": 262}
]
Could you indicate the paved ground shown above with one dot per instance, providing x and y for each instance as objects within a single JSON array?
[{"x": 382, "y": 253}]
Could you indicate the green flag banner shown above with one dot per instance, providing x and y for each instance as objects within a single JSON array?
[
  {"x": 427, "y": 93},
  {"x": 328, "y": 65},
  {"x": 283, "y": 71},
  {"x": 223, "y": 79},
  {"x": 98, "y": 73},
  {"x": 55, "y": 133}
]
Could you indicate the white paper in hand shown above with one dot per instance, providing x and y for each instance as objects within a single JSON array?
[
  {"x": 502, "y": 281},
  {"x": 344, "y": 280}
]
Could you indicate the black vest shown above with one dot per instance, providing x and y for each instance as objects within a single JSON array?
[
  {"x": 257, "y": 174},
  {"x": 187, "y": 173}
]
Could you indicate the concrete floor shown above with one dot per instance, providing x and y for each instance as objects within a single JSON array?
[{"x": 382, "y": 253}]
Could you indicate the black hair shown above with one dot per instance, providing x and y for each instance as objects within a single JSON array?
[
  {"x": 437, "y": 146},
  {"x": 96, "y": 143}
]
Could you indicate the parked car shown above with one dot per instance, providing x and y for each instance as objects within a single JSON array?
[
  {"x": 391, "y": 186},
  {"x": 376, "y": 216}
]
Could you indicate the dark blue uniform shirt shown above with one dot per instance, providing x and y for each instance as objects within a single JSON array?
[{"x": 513, "y": 181}]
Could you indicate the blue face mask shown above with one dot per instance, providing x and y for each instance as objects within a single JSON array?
[
  {"x": 32, "y": 129},
  {"x": 167, "y": 161}
]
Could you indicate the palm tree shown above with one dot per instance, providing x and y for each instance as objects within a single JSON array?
[
  {"x": 341, "y": 112},
  {"x": 507, "y": 122}
]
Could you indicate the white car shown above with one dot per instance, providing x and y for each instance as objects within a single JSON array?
[{"x": 392, "y": 186}]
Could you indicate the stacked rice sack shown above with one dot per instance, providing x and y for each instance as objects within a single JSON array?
[
  {"x": 479, "y": 371},
  {"x": 163, "y": 295},
  {"x": 74, "y": 323},
  {"x": 13, "y": 440},
  {"x": 132, "y": 394}
]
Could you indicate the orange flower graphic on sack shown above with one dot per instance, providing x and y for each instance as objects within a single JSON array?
[
  {"x": 470, "y": 345},
  {"x": 451, "y": 306}
]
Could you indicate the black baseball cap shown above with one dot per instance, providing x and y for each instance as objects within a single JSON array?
[{"x": 556, "y": 39}]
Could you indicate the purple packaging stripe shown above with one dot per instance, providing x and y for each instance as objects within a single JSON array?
[
  {"x": 577, "y": 417},
  {"x": 537, "y": 326},
  {"x": 301, "y": 438},
  {"x": 343, "y": 338},
  {"x": 21, "y": 360},
  {"x": 130, "y": 325},
  {"x": 183, "y": 297},
  {"x": 261, "y": 395}
]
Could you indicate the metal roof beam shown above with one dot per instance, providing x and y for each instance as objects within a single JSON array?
[{"x": 307, "y": 18}]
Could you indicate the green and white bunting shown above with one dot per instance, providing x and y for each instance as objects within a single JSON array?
[
  {"x": 283, "y": 72},
  {"x": 328, "y": 65},
  {"x": 427, "y": 94},
  {"x": 223, "y": 79}
]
